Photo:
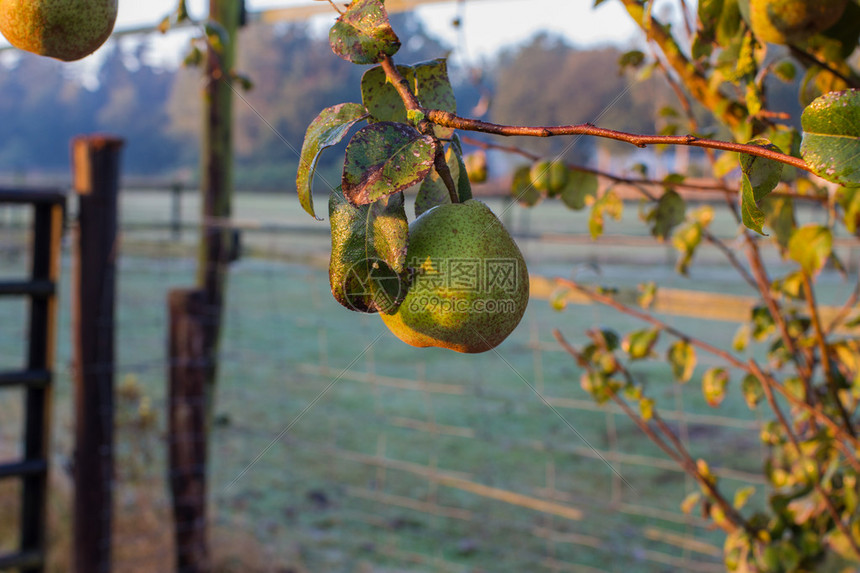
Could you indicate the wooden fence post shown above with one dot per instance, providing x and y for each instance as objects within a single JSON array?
[
  {"x": 96, "y": 171},
  {"x": 189, "y": 372}
]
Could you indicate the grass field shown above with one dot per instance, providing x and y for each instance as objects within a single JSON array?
[{"x": 395, "y": 458}]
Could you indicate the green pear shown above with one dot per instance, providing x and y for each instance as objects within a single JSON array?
[
  {"x": 63, "y": 29},
  {"x": 793, "y": 21},
  {"x": 471, "y": 285}
]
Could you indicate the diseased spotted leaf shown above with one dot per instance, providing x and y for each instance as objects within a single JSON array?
[
  {"x": 381, "y": 98},
  {"x": 327, "y": 129},
  {"x": 384, "y": 158},
  {"x": 831, "y": 137},
  {"x": 363, "y": 34}
]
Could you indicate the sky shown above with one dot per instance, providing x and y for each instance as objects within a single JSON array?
[{"x": 488, "y": 25}]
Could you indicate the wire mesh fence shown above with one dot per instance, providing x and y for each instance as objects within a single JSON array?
[{"x": 337, "y": 448}]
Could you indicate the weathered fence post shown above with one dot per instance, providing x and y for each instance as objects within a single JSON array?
[
  {"x": 190, "y": 369},
  {"x": 195, "y": 315},
  {"x": 96, "y": 170}
]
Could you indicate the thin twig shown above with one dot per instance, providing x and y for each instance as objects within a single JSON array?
[
  {"x": 763, "y": 282},
  {"x": 731, "y": 256},
  {"x": 448, "y": 119},
  {"x": 812, "y": 60},
  {"x": 839, "y": 433},
  {"x": 846, "y": 309},
  {"x": 670, "y": 184},
  {"x": 679, "y": 454},
  {"x": 821, "y": 340},
  {"x": 831, "y": 509},
  {"x": 621, "y": 307}
]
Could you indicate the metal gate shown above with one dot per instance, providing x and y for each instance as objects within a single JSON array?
[{"x": 40, "y": 289}]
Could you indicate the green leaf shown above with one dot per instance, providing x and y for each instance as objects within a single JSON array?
[
  {"x": 831, "y": 137},
  {"x": 368, "y": 253},
  {"x": 742, "y": 496},
  {"x": 762, "y": 323},
  {"x": 558, "y": 299},
  {"x": 433, "y": 191},
  {"x": 363, "y": 34},
  {"x": 580, "y": 189},
  {"x": 752, "y": 390},
  {"x": 779, "y": 215},
  {"x": 640, "y": 344},
  {"x": 381, "y": 98},
  {"x": 810, "y": 246},
  {"x": 604, "y": 338},
  {"x": 742, "y": 338},
  {"x": 464, "y": 184},
  {"x": 610, "y": 204},
  {"x": 632, "y": 59},
  {"x": 384, "y": 158},
  {"x": 682, "y": 357},
  {"x": 647, "y": 294},
  {"x": 690, "y": 502},
  {"x": 785, "y": 71},
  {"x": 666, "y": 215},
  {"x": 753, "y": 217},
  {"x": 646, "y": 408},
  {"x": 714, "y": 386},
  {"x": 849, "y": 200},
  {"x": 522, "y": 189},
  {"x": 327, "y": 129},
  {"x": 760, "y": 177},
  {"x": 434, "y": 91}
]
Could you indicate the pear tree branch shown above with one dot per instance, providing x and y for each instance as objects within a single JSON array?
[{"x": 448, "y": 119}]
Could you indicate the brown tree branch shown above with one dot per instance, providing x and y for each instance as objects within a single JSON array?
[
  {"x": 448, "y": 119},
  {"x": 689, "y": 185},
  {"x": 680, "y": 454},
  {"x": 846, "y": 309},
  {"x": 812, "y": 60},
  {"x": 621, "y": 307},
  {"x": 792, "y": 438},
  {"x": 838, "y": 431},
  {"x": 804, "y": 367},
  {"x": 821, "y": 341}
]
